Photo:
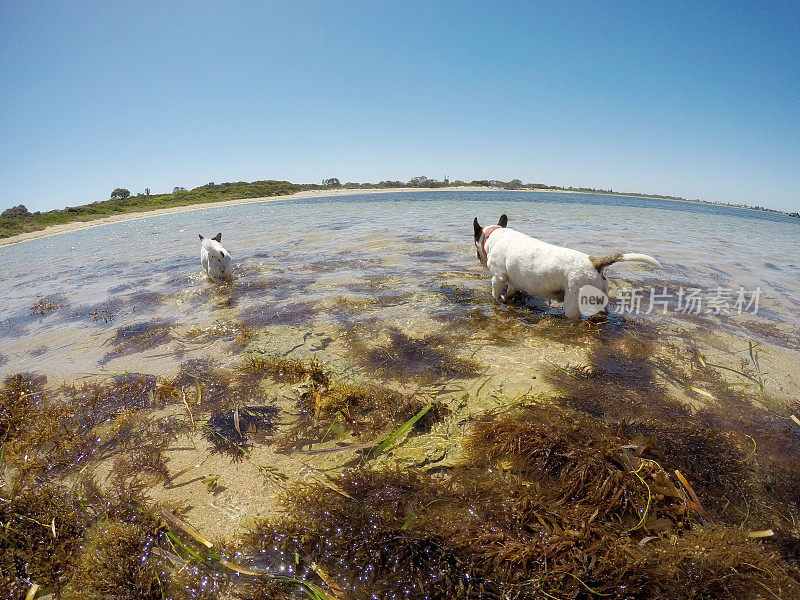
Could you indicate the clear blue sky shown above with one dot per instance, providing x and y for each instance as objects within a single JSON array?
[{"x": 696, "y": 99}]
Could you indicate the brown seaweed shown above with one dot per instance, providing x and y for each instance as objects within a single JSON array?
[
  {"x": 46, "y": 305},
  {"x": 426, "y": 359},
  {"x": 329, "y": 407},
  {"x": 48, "y": 434},
  {"x": 232, "y": 430},
  {"x": 553, "y": 508},
  {"x": 113, "y": 564},
  {"x": 138, "y": 337}
]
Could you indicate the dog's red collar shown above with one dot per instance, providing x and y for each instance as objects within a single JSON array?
[{"x": 486, "y": 233}]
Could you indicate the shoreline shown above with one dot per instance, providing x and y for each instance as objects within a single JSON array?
[
  {"x": 99, "y": 222},
  {"x": 79, "y": 225}
]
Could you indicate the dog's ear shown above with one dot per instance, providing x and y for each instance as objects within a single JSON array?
[
  {"x": 217, "y": 238},
  {"x": 503, "y": 220},
  {"x": 201, "y": 236},
  {"x": 478, "y": 229}
]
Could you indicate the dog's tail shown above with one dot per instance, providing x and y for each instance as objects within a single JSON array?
[{"x": 601, "y": 262}]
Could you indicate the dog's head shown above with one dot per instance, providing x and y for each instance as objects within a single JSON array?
[
  {"x": 480, "y": 238},
  {"x": 214, "y": 247}
]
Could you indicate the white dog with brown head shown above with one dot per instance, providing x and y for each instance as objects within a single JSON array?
[
  {"x": 542, "y": 269},
  {"x": 215, "y": 259}
]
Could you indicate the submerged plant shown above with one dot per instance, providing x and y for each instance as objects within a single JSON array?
[
  {"x": 45, "y": 305},
  {"x": 564, "y": 510},
  {"x": 291, "y": 370},
  {"x": 228, "y": 431},
  {"x": 113, "y": 563},
  {"x": 427, "y": 359},
  {"x": 48, "y": 433},
  {"x": 330, "y": 407},
  {"x": 19, "y": 398},
  {"x": 41, "y": 536},
  {"x": 138, "y": 337}
]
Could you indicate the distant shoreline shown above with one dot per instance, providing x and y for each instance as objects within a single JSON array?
[{"x": 99, "y": 222}]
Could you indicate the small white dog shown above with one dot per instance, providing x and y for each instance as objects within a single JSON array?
[
  {"x": 216, "y": 260},
  {"x": 541, "y": 269}
]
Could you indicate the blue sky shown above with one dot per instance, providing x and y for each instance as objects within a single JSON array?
[{"x": 695, "y": 99}]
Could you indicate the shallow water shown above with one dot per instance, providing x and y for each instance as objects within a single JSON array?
[
  {"x": 313, "y": 261},
  {"x": 346, "y": 317}
]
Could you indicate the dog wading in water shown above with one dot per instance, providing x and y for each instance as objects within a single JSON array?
[
  {"x": 216, "y": 260},
  {"x": 542, "y": 269}
]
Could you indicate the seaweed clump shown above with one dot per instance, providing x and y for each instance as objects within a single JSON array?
[
  {"x": 550, "y": 504},
  {"x": 426, "y": 359},
  {"x": 81, "y": 544},
  {"x": 719, "y": 562},
  {"x": 742, "y": 460},
  {"x": 290, "y": 370},
  {"x": 203, "y": 385},
  {"x": 235, "y": 331},
  {"x": 139, "y": 337},
  {"x": 49, "y": 433},
  {"x": 228, "y": 431},
  {"x": 363, "y": 408},
  {"x": 113, "y": 564},
  {"x": 103, "y": 313},
  {"x": 75, "y": 545},
  {"x": 18, "y": 397},
  {"x": 45, "y": 305},
  {"x": 328, "y": 406},
  {"x": 41, "y": 536}
]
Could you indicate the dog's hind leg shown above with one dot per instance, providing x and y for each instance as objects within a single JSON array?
[{"x": 497, "y": 286}]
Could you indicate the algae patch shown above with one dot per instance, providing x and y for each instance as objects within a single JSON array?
[
  {"x": 607, "y": 486},
  {"x": 545, "y": 507}
]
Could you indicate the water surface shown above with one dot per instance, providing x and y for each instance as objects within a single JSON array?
[{"x": 70, "y": 301}]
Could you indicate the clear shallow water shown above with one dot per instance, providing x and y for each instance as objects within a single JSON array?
[
  {"x": 385, "y": 292},
  {"x": 383, "y": 260}
]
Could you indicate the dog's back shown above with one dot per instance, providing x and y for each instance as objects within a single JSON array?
[
  {"x": 530, "y": 264},
  {"x": 215, "y": 259}
]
